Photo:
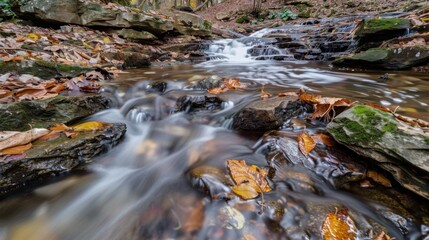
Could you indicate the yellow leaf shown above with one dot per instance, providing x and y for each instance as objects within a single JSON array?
[
  {"x": 16, "y": 150},
  {"x": 33, "y": 36},
  {"x": 89, "y": 126},
  {"x": 245, "y": 191},
  {"x": 339, "y": 226},
  {"x": 306, "y": 143},
  {"x": 248, "y": 177},
  {"x": 107, "y": 40}
]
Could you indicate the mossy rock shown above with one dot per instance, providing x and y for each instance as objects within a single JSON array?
[
  {"x": 242, "y": 19},
  {"x": 42, "y": 69},
  {"x": 49, "y": 158},
  {"x": 136, "y": 35},
  {"x": 395, "y": 145},
  {"x": 395, "y": 58},
  {"x": 24, "y": 115},
  {"x": 379, "y": 29}
]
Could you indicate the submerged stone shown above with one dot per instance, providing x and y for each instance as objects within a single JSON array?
[
  {"x": 399, "y": 148},
  {"x": 24, "y": 115},
  {"x": 49, "y": 158},
  {"x": 268, "y": 114}
]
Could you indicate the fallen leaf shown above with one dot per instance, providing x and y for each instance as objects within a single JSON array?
[
  {"x": 30, "y": 93},
  {"x": 71, "y": 134},
  {"x": 324, "y": 139},
  {"x": 339, "y": 226},
  {"x": 13, "y": 59},
  {"x": 10, "y": 139},
  {"x": 284, "y": 94},
  {"x": 16, "y": 150},
  {"x": 89, "y": 126},
  {"x": 233, "y": 83},
  {"x": 305, "y": 143},
  {"x": 33, "y": 36},
  {"x": 264, "y": 94},
  {"x": 383, "y": 236},
  {"x": 195, "y": 219},
  {"x": 379, "y": 178},
  {"x": 382, "y": 108},
  {"x": 248, "y": 179},
  {"x": 217, "y": 90},
  {"x": 59, "y": 127}
]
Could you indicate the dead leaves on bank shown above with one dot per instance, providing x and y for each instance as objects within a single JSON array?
[
  {"x": 339, "y": 226},
  {"x": 16, "y": 143},
  {"x": 250, "y": 180},
  {"x": 227, "y": 84},
  {"x": 15, "y": 88},
  {"x": 324, "y": 107}
]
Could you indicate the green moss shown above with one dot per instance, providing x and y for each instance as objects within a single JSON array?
[
  {"x": 207, "y": 25},
  {"x": 373, "y": 55},
  {"x": 382, "y": 25},
  {"x": 369, "y": 125},
  {"x": 242, "y": 19},
  {"x": 427, "y": 140}
]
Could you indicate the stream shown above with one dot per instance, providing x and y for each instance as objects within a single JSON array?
[{"x": 166, "y": 179}]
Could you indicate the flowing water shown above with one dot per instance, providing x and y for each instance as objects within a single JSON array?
[{"x": 168, "y": 178}]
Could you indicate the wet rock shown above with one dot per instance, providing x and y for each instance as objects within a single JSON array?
[
  {"x": 267, "y": 114},
  {"x": 380, "y": 29},
  {"x": 42, "y": 69},
  {"x": 131, "y": 59},
  {"x": 208, "y": 83},
  {"x": 136, "y": 35},
  {"x": 58, "y": 156},
  {"x": 198, "y": 103},
  {"x": 222, "y": 16},
  {"x": 187, "y": 23},
  {"x": 398, "y": 148},
  {"x": 388, "y": 58},
  {"x": 94, "y": 14},
  {"x": 42, "y": 113}
]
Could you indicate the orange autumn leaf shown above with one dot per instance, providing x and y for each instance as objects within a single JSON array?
[
  {"x": 30, "y": 93},
  {"x": 250, "y": 180},
  {"x": 305, "y": 143},
  {"x": 13, "y": 59},
  {"x": 72, "y": 135},
  {"x": 90, "y": 126},
  {"x": 50, "y": 136},
  {"x": 339, "y": 226},
  {"x": 264, "y": 94},
  {"x": 16, "y": 150},
  {"x": 233, "y": 83},
  {"x": 59, "y": 127},
  {"x": 217, "y": 90},
  {"x": 285, "y": 94},
  {"x": 324, "y": 139},
  {"x": 309, "y": 98},
  {"x": 383, "y": 236},
  {"x": 382, "y": 108}
]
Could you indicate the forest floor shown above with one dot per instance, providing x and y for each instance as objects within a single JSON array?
[{"x": 304, "y": 9}]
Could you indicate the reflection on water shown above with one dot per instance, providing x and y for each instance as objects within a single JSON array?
[{"x": 168, "y": 179}]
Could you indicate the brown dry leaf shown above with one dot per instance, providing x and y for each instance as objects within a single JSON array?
[
  {"x": 59, "y": 127},
  {"x": 324, "y": 139},
  {"x": 10, "y": 139},
  {"x": 46, "y": 96},
  {"x": 382, "y": 108},
  {"x": 196, "y": 218},
  {"x": 233, "y": 83},
  {"x": 50, "y": 136},
  {"x": 383, "y": 236},
  {"x": 30, "y": 93},
  {"x": 285, "y": 94},
  {"x": 379, "y": 178},
  {"x": 97, "y": 48},
  {"x": 309, "y": 98},
  {"x": 13, "y": 59},
  {"x": 414, "y": 122},
  {"x": 264, "y": 94},
  {"x": 72, "y": 135},
  {"x": 5, "y": 95},
  {"x": 306, "y": 143},
  {"x": 217, "y": 90},
  {"x": 16, "y": 150},
  {"x": 248, "y": 179},
  {"x": 339, "y": 226},
  {"x": 90, "y": 126},
  {"x": 58, "y": 88}
]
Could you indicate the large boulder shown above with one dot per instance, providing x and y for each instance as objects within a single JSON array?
[
  {"x": 388, "y": 58},
  {"x": 379, "y": 29},
  {"x": 48, "y": 158},
  {"x": 396, "y": 146},
  {"x": 42, "y": 69},
  {"x": 24, "y": 115},
  {"x": 188, "y": 23}
]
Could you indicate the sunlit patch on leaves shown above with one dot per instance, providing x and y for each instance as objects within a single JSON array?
[
  {"x": 250, "y": 180},
  {"x": 305, "y": 143},
  {"x": 227, "y": 84},
  {"x": 339, "y": 226},
  {"x": 90, "y": 126}
]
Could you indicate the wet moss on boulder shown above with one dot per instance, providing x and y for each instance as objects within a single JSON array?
[
  {"x": 379, "y": 29},
  {"x": 397, "y": 147},
  {"x": 24, "y": 115}
]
